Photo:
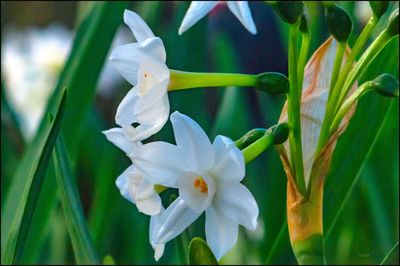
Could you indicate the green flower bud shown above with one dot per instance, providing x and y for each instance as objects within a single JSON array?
[
  {"x": 379, "y": 7},
  {"x": 393, "y": 26},
  {"x": 280, "y": 132},
  {"x": 200, "y": 253},
  {"x": 339, "y": 22},
  {"x": 273, "y": 82},
  {"x": 289, "y": 11},
  {"x": 386, "y": 85},
  {"x": 305, "y": 20},
  {"x": 250, "y": 137}
]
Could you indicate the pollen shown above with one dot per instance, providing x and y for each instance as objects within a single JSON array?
[
  {"x": 145, "y": 75},
  {"x": 200, "y": 184}
]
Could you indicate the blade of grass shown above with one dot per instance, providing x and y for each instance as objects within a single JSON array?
[
  {"x": 74, "y": 216},
  {"x": 22, "y": 198},
  {"x": 80, "y": 74},
  {"x": 389, "y": 254}
]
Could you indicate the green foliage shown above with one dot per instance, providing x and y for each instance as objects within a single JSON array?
[{"x": 200, "y": 253}]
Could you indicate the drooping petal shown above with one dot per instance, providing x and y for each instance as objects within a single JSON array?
[
  {"x": 196, "y": 189},
  {"x": 171, "y": 222},
  {"x": 237, "y": 203},
  {"x": 138, "y": 27},
  {"x": 158, "y": 248},
  {"x": 221, "y": 232},
  {"x": 119, "y": 138},
  {"x": 196, "y": 11},
  {"x": 229, "y": 160},
  {"x": 125, "y": 109},
  {"x": 315, "y": 92},
  {"x": 125, "y": 59},
  {"x": 242, "y": 11},
  {"x": 191, "y": 137},
  {"x": 139, "y": 191},
  {"x": 161, "y": 162}
]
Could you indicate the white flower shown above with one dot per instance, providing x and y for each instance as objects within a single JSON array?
[
  {"x": 198, "y": 9},
  {"x": 131, "y": 183},
  {"x": 143, "y": 65},
  {"x": 208, "y": 178},
  {"x": 30, "y": 61}
]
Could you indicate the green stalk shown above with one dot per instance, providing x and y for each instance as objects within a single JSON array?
[
  {"x": 308, "y": 251},
  {"x": 372, "y": 51},
  {"x": 180, "y": 80},
  {"x": 253, "y": 150},
  {"x": 324, "y": 134},
  {"x": 305, "y": 45},
  {"x": 294, "y": 117},
  {"x": 335, "y": 93}
]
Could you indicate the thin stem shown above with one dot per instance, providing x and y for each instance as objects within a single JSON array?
[
  {"x": 324, "y": 134},
  {"x": 389, "y": 253},
  {"x": 180, "y": 80},
  {"x": 305, "y": 45},
  {"x": 372, "y": 51},
  {"x": 256, "y": 148},
  {"x": 294, "y": 117}
]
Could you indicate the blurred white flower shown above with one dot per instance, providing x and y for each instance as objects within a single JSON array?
[
  {"x": 143, "y": 65},
  {"x": 208, "y": 178},
  {"x": 31, "y": 61},
  {"x": 198, "y": 9},
  {"x": 131, "y": 183}
]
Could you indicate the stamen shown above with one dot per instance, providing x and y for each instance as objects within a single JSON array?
[{"x": 200, "y": 184}]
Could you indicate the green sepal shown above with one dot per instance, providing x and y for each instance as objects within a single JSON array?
[{"x": 200, "y": 253}]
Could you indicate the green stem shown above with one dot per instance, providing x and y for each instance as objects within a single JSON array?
[
  {"x": 180, "y": 80},
  {"x": 372, "y": 51},
  {"x": 348, "y": 104},
  {"x": 294, "y": 117},
  {"x": 256, "y": 148},
  {"x": 310, "y": 251},
  {"x": 336, "y": 91},
  {"x": 324, "y": 134},
  {"x": 305, "y": 45}
]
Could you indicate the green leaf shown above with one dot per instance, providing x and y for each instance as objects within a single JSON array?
[
  {"x": 390, "y": 253},
  {"x": 80, "y": 74},
  {"x": 22, "y": 197},
  {"x": 200, "y": 253},
  {"x": 73, "y": 212},
  {"x": 357, "y": 143},
  {"x": 108, "y": 260}
]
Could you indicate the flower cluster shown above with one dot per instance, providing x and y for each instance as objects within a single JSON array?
[{"x": 207, "y": 175}]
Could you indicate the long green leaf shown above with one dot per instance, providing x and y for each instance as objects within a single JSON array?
[
  {"x": 80, "y": 74},
  {"x": 74, "y": 216},
  {"x": 22, "y": 198}
]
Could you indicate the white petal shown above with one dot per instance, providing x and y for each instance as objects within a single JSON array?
[
  {"x": 242, "y": 11},
  {"x": 119, "y": 138},
  {"x": 139, "y": 191},
  {"x": 158, "y": 248},
  {"x": 229, "y": 160},
  {"x": 124, "y": 183},
  {"x": 236, "y": 202},
  {"x": 125, "y": 59},
  {"x": 154, "y": 47},
  {"x": 196, "y": 11},
  {"x": 221, "y": 232},
  {"x": 138, "y": 27},
  {"x": 196, "y": 199},
  {"x": 161, "y": 162},
  {"x": 125, "y": 109},
  {"x": 171, "y": 222},
  {"x": 191, "y": 137}
]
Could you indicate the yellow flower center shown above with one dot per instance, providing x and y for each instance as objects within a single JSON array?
[{"x": 200, "y": 184}]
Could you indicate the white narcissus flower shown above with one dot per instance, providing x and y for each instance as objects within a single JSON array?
[
  {"x": 131, "y": 183},
  {"x": 198, "y": 9},
  {"x": 142, "y": 64},
  {"x": 208, "y": 178}
]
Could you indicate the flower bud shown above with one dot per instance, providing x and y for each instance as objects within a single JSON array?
[
  {"x": 378, "y": 7},
  {"x": 288, "y": 11},
  {"x": 338, "y": 21},
  {"x": 250, "y": 137},
  {"x": 393, "y": 26},
  {"x": 280, "y": 132},
  {"x": 273, "y": 82},
  {"x": 386, "y": 85}
]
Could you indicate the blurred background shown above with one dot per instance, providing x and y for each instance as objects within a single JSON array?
[{"x": 361, "y": 209}]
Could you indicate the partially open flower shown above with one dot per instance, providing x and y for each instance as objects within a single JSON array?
[
  {"x": 198, "y": 9},
  {"x": 208, "y": 178},
  {"x": 143, "y": 65}
]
